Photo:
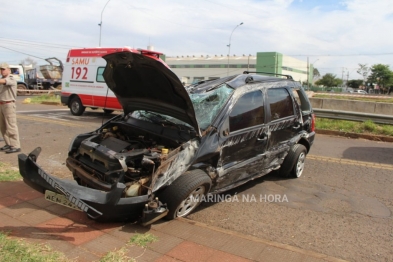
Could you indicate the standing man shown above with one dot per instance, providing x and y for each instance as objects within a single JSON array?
[{"x": 8, "y": 127}]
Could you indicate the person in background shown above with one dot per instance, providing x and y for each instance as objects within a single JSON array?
[{"x": 8, "y": 125}]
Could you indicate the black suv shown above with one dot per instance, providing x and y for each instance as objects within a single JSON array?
[{"x": 171, "y": 146}]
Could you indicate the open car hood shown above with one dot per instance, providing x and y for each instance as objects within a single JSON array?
[{"x": 141, "y": 82}]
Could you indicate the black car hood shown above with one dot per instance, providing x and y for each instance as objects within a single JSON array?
[{"x": 144, "y": 83}]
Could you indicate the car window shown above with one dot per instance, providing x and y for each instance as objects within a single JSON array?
[
  {"x": 100, "y": 77},
  {"x": 280, "y": 103},
  {"x": 301, "y": 98},
  {"x": 248, "y": 111}
]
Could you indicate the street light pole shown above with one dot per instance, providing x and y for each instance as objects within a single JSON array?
[
  {"x": 229, "y": 46},
  {"x": 100, "y": 24}
]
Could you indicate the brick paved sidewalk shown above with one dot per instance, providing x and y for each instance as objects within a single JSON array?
[{"x": 24, "y": 213}]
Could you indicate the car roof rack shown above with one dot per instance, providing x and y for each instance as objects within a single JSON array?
[{"x": 268, "y": 73}]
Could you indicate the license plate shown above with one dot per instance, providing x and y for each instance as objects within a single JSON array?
[{"x": 59, "y": 199}]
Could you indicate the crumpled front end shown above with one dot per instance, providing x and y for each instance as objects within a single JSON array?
[{"x": 99, "y": 205}]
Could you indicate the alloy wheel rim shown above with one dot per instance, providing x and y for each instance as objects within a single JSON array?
[
  {"x": 75, "y": 107},
  {"x": 190, "y": 202},
  {"x": 300, "y": 164}
]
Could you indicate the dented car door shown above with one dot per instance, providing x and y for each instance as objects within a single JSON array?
[{"x": 244, "y": 140}]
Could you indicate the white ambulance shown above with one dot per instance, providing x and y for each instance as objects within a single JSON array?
[{"x": 83, "y": 83}]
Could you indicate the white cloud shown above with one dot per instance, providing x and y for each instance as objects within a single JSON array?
[{"x": 348, "y": 28}]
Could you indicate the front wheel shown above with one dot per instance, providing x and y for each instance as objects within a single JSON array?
[
  {"x": 186, "y": 193},
  {"x": 293, "y": 164},
  {"x": 76, "y": 107}
]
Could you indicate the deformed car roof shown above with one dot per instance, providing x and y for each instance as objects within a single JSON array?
[{"x": 236, "y": 81}]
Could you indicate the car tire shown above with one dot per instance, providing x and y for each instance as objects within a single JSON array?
[
  {"x": 293, "y": 164},
  {"x": 179, "y": 196},
  {"x": 108, "y": 111},
  {"x": 21, "y": 87},
  {"x": 76, "y": 107}
]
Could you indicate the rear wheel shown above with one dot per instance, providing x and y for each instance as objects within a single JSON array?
[
  {"x": 108, "y": 111},
  {"x": 22, "y": 90},
  {"x": 293, "y": 164},
  {"x": 186, "y": 193},
  {"x": 76, "y": 107}
]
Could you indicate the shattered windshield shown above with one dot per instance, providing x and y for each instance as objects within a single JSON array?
[{"x": 207, "y": 105}]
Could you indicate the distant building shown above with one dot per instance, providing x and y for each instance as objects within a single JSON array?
[{"x": 192, "y": 69}]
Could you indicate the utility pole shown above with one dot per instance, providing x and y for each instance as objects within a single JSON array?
[
  {"x": 308, "y": 74},
  {"x": 347, "y": 77},
  {"x": 342, "y": 77}
]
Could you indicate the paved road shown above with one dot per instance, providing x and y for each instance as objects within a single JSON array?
[{"x": 342, "y": 205}]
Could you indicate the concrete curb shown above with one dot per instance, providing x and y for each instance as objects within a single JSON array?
[{"x": 355, "y": 135}]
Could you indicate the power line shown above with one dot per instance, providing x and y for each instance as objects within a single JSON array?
[
  {"x": 22, "y": 53},
  {"x": 18, "y": 41}
]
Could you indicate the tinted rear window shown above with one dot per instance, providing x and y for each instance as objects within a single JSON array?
[{"x": 280, "y": 103}]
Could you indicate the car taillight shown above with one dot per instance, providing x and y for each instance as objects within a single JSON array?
[{"x": 312, "y": 122}]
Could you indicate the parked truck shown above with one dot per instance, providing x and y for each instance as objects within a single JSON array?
[
  {"x": 43, "y": 77},
  {"x": 19, "y": 73}
]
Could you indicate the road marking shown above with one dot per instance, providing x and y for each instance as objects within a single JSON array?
[
  {"x": 39, "y": 111},
  {"x": 46, "y": 120},
  {"x": 350, "y": 162}
]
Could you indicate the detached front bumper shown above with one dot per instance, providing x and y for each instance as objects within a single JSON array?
[{"x": 99, "y": 205}]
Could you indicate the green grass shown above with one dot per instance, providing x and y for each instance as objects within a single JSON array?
[
  {"x": 367, "y": 127},
  {"x": 382, "y": 99},
  {"x": 142, "y": 240},
  {"x": 117, "y": 256},
  {"x": 44, "y": 98},
  {"x": 18, "y": 250},
  {"x": 9, "y": 174}
]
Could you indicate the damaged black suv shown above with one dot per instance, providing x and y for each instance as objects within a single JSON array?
[{"x": 171, "y": 145}]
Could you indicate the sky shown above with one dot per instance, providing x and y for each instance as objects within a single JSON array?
[{"x": 336, "y": 36}]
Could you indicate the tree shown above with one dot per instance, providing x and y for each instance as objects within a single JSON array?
[
  {"x": 382, "y": 76},
  {"x": 329, "y": 80},
  {"x": 355, "y": 83},
  {"x": 29, "y": 61},
  {"x": 364, "y": 71},
  {"x": 316, "y": 73}
]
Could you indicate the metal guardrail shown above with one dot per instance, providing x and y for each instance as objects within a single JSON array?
[
  {"x": 353, "y": 116},
  {"x": 34, "y": 91}
]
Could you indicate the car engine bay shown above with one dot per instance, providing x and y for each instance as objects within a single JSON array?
[{"x": 124, "y": 152}]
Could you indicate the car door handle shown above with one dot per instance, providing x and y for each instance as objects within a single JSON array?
[
  {"x": 262, "y": 137},
  {"x": 296, "y": 127}
]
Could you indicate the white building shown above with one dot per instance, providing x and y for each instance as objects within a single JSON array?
[{"x": 192, "y": 69}]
